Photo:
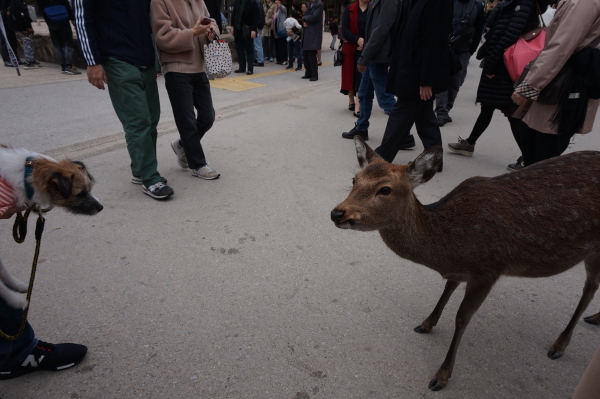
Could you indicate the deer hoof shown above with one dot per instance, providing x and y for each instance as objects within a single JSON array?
[
  {"x": 420, "y": 329},
  {"x": 436, "y": 385},
  {"x": 553, "y": 354},
  {"x": 590, "y": 320}
]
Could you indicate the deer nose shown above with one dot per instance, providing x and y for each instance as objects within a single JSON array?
[{"x": 337, "y": 216}]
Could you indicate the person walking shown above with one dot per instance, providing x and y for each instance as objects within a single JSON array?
[
  {"x": 513, "y": 18},
  {"x": 280, "y": 33},
  {"x": 61, "y": 34},
  {"x": 383, "y": 20},
  {"x": 333, "y": 29},
  {"x": 126, "y": 63},
  {"x": 259, "y": 60},
  {"x": 467, "y": 28},
  {"x": 312, "y": 38},
  {"x": 547, "y": 129},
  {"x": 419, "y": 69},
  {"x": 181, "y": 28},
  {"x": 354, "y": 23},
  {"x": 245, "y": 18},
  {"x": 268, "y": 38}
]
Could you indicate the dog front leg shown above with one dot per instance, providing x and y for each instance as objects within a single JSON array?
[
  {"x": 14, "y": 299},
  {"x": 10, "y": 281}
]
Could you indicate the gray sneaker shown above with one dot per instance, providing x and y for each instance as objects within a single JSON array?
[
  {"x": 462, "y": 147},
  {"x": 206, "y": 172},
  {"x": 178, "y": 149}
]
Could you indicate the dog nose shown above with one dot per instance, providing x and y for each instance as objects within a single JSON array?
[
  {"x": 99, "y": 207},
  {"x": 337, "y": 216}
]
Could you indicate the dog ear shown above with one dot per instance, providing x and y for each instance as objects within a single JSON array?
[{"x": 63, "y": 184}]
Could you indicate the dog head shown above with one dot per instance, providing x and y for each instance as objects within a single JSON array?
[{"x": 67, "y": 184}]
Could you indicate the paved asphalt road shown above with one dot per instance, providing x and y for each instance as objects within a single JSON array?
[{"x": 242, "y": 287}]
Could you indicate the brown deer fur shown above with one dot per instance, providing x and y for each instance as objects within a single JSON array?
[{"x": 537, "y": 222}]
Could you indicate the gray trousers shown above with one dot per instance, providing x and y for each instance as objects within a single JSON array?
[{"x": 444, "y": 101}]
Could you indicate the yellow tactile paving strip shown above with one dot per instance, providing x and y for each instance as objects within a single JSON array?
[{"x": 241, "y": 83}]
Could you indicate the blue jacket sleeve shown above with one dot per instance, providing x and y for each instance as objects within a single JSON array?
[{"x": 86, "y": 30}]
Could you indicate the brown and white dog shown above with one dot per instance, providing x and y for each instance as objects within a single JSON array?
[{"x": 28, "y": 178}]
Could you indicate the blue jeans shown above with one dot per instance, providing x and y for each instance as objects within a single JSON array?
[
  {"x": 373, "y": 81},
  {"x": 14, "y": 352},
  {"x": 258, "y": 50}
]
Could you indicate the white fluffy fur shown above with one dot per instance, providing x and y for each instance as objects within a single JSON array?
[{"x": 12, "y": 166}]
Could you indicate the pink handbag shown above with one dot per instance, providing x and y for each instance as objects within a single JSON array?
[{"x": 525, "y": 50}]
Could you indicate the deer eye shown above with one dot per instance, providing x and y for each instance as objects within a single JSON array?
[{"x": 385, "y": 191}]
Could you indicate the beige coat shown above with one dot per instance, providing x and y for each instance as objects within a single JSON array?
[
  {"x": 576, "y": 25},
  {"x": 173, "y": 28},
  {"x": 269, "y": 13}
]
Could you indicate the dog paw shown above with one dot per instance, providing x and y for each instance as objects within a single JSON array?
[
  {"x": 17, "y": 300},
  {"x": 21, "y": 287}
]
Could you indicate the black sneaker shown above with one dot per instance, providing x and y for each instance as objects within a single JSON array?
[
  {"x": 158, "y": 190},
  {"x": 47, "y": 356},
  {"x": 355, "y": 132},
  {"x": 441, "y": 120},
  {"x": 8, "y": 64},
  {"x": 513, "y": 167}
]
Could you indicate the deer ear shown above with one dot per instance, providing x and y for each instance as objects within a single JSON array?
[
  {"x": 422, "y": 169},
  {"x": 63, "y": 184},
  {"x": 364, "y": 153}
]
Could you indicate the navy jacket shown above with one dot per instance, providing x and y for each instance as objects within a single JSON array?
[{"x": 115, "y": 28}]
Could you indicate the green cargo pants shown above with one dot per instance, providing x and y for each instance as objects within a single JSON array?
[{"x": 134, "y": 95}]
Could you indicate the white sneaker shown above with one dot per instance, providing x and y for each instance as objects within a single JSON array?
[
  {"x": 206, "y": 172},
  {"x": 178, "y": 149}
]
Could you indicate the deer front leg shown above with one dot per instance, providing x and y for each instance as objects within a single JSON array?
[
  {"x": 430, "y": 322},
  {"x": 593, "y": 319},
  {"x": 475, "y": 294}
]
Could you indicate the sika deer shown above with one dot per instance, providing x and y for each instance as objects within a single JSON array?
[{"x": 537, "y": 222}]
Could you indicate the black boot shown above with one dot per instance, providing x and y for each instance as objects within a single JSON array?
[{"x": 362, "y": 133}]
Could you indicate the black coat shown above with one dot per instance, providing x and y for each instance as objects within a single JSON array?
[
  {"x": 250, "y": 16},
  {"x": 514, "y": 19},
  {"x": 420, "y": 56},
  {"x": 312, "y": 35}
]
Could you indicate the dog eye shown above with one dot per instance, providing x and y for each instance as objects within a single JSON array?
[
  {"x": 353, "y": 181},
  {"x": 82, "y": 194},
  {"x": 385, "y": 191}
]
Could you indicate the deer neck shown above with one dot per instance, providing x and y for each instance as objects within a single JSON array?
[{"x": 417, "y": 234}]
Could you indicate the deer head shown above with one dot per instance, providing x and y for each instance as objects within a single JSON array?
[{"x": 382, "y": 193}]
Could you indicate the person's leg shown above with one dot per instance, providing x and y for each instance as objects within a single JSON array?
[
  {"x": 333, "y": 39},
  {"x": 547, "y": 146},
  {"x": 307, "y": 64},
  {"x": 312, "y": 59},
  {"x": 66, "y": 35},
  {"x": 290, "y": 46},
  {"x": 249, "y": 46},
  {"x": 482, "y": 123},
  {"x": 456, "y": 81},
  {"x": 258, "y": 48},
  {"x": 28, "y": 47},
  {"x": 206, "y": 113},
  {"x": 272, "y": 47},
  {"x": 516, "y": 128},
  {"x": 379, "y": 78},
  {"x": 241, "y": 53},
  {"x": 366, "y": 93},
  {"x": 57, "y": 43},
  {"x": 134, "y": 95},
  {"x": 12, "y": 41},
  {"x": 441, "y": 105},
  {"x": 318, "y": 57},
  {"x": 398, "y": 127},
  {"x": 298, "y": 52},
  {"x": 426, "y": 124},
  {"x": 14, "y": 352}
]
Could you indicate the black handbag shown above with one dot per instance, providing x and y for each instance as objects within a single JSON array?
[{"x": 338, "y": 57}]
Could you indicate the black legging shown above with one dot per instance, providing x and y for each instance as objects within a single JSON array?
[
  {"x": 483, "y": 121},
  {"x": 537, "y": 146}
]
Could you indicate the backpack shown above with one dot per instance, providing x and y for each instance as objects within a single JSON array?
[{"x": 463, "y": 29}]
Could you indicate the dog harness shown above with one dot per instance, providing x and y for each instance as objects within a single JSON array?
[{"x": 8, "y": 198}]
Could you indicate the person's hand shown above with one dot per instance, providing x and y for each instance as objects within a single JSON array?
[
  {"x": 231, "y": 30},
  {"x": 426, "y": 92},
  {"x": 518, "y": 99},
  {"x": 73, "y": 23},
  {"x": 253, "y": 34},
  {"x": 12, "y": 210},
  {"x": 200, "y": 29},
  {"x": 360, "y": 43},
  {"x": 306, "y": 24},
  {"x": 96, "y": 76},
  {"x": 361, "y": 68},
  {"x": 490, "y": 76}
]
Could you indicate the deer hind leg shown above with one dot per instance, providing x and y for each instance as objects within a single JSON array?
[
  {"x": 475, "y": 294},
  {"x": 593, "y": 319},
  {"x": 592, "y": 269},
  {"x": 430, "y": 322}
]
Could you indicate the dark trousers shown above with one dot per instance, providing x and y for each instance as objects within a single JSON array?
[
  {"x": 404, "y": 114},
  {"x": 245, "y": 52},
  {"x": 12, "y": 41},
  {"x": 186, "y": 92},
  {"x": 281, "y": 50},
  {"x": 537, "y": 146},
  {"x": 62, "y": 40},
  {"x": 483, "y": 121},
  {"x": 310, "y": 63},
  {"x": 269, "y": 46},
  {"x": 294, "y": 52},
  {"x": 444, "y": 101}
]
